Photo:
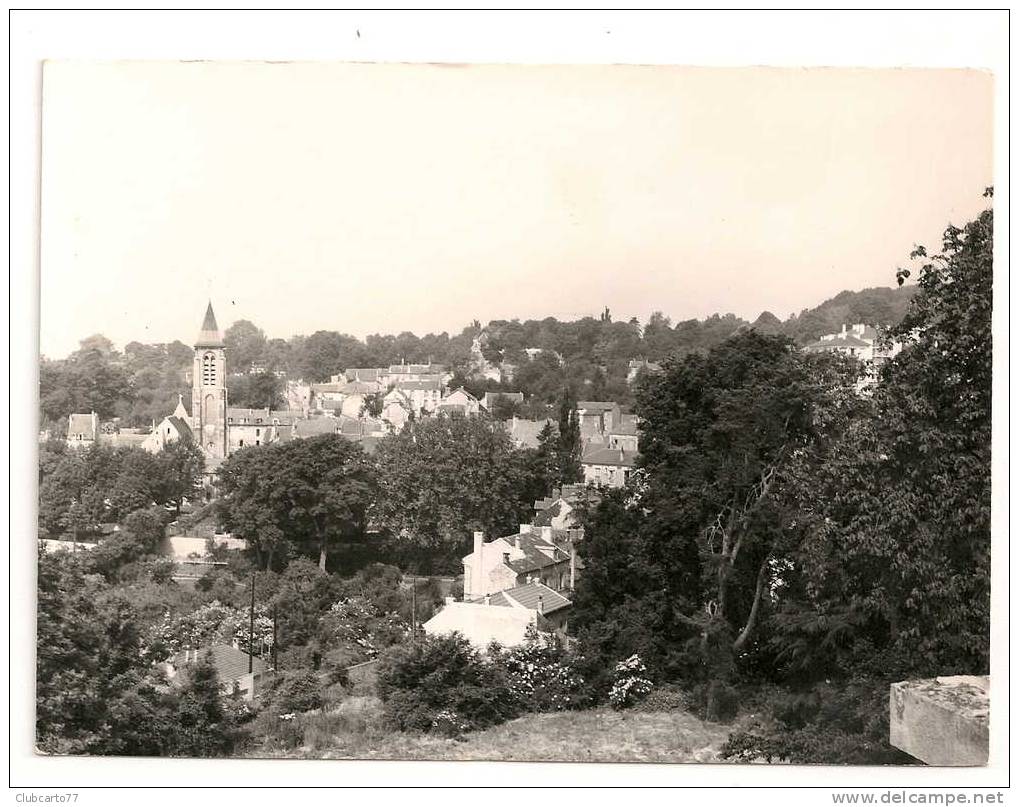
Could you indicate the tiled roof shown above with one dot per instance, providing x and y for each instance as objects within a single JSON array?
[
  {"x": 604, "y": 406},
  {"x": 363, "y": 373},
  {"x": 847, "y": 340},
  {"x": 429, "y": 384},
  {"x": 624, "y": 428},
  {"x": 183, "y": 429},
  {"x": 81, "y": 424},
  {"x": 525, "y": 432},
  {"x": 538, "y": 553},
  {"x": 527, "y": 596},
  {"x": 230, "y": 663},
  {"x": 286, "y": 417},
  {"x": 610, "y": 456},
  {"x": 417, "y": 369},
  {"x": 315, "y": 426}
]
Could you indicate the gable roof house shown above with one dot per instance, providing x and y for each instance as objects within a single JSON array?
[
  {"x": 597, "y": 417},
  {"x": 505, "y": 617},
  {"x": 524, "y": 433},
  {"x": 460, "y": 401},
  {"x": 542, "y": 555},
  {"x": 82, "y": 430},
  {"x": 609, "y": 467},
  {"x": 231, "y": 665}
]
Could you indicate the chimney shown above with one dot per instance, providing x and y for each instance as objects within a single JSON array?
[
  {"x": 573, "y": 566},
  {"x": 525, "y": 529},
  {"x": 516, "y": 541},
  {"x": 546, "y": 534},
  {"x": 450, "y": 600},
  {"x": 843, "y": 329},
  {"x": 473, "y": 575},
  {"x": 488, "y": 599},
  {"x": 541, "y": 604}
]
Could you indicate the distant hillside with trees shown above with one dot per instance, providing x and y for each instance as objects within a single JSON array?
[{"x": 589, "y": 356}]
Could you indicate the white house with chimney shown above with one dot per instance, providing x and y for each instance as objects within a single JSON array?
[{"x": 534, "y": 554}]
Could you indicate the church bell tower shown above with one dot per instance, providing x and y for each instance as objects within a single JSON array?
[{"x": 208, "y": 389}]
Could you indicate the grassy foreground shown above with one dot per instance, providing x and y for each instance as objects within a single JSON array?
[{"x": 595, "y": 735}]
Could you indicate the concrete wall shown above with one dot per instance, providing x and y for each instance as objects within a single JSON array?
[{"x": 941, "y": 721}]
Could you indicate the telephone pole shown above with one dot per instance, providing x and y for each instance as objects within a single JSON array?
[{"x": 251, "y": 626}]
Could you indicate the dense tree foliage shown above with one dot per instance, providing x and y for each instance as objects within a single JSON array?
[
  {"x": 789, "y": 536},
  {"x": 443, "y": 477},
  {"x": 305, "y": 494},
  {"x": 81, "y": 489}
]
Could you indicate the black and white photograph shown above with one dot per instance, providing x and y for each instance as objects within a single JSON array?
[{"x": 410, "y": 410}]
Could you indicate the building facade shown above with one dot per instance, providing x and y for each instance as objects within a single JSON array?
[{"x": 208, "y": 389}]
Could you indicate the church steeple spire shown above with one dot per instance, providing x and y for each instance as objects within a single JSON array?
[{"x": 210, "y": 335}]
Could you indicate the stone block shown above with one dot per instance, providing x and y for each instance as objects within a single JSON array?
[{"x": 941, "y": 721}]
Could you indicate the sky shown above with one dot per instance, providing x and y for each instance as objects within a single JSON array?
[{"x": 369, "y": 198}]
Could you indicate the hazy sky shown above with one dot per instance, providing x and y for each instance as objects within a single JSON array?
[{"x": 384, "y": 198}]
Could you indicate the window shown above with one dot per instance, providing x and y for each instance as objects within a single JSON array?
[
  {"x": 258, "y": 432},
  {"x": 241, "y": 443},
  {"x": 209, "y": 370}
]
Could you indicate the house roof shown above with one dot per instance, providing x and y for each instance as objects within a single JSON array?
[
  {"x": 81, "y": 424},
  {"x": 314, "y": 426},
  {"x": 458, "y": 391},
  {"x": 396, "y": 369},
  {"x": 610, "y": 456},
  {"x": 363, "y": 373},
  {"x": 596, "y": 406},
  {"x": 286, "y": 417},
  {"x": 427, "y": 384},
  {"x": 209, "y": 335},
  {"x": 183, "y": 429},
  {"x": 525, "y": 432},
  {"x": 527, "y": 596},
  {"x": 452, "y": 408},
  {"x": 230, "y": 663},
  {"x": 538, "y": 553},
  {"x": 842, "y": 340},
  {"x": 624, "y": 428}
]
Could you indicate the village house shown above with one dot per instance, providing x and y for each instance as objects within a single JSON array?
[
  {"x": 608, "y": 467},
  {"x": 597, "y": 418},
  {"x": 525, "y": 433},
  {"x": 505, "y": 617},
  {"x": 461, "y": 402},
  {"x": 423, "y": 395},
  {"x": 231, "y": 665},
  {"x": 861, "y": 342},
  {"x": 82, "y": 430},
  {"x": 559, "y": 510},
  {"x": 624, "y": 434},
  {"x": 533, "y": 554},
  {"x": 399, "y": 374},
  {"x": 638, "y": 366},
  {"x": 258, "y": 427},
  {"x": 170, "y": 429}
]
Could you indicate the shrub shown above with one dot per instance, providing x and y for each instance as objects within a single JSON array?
[
  {"x": 722, "y": 702},
  {"x": 666, "y": 698},
  {"x": 296, "y": 691},
  {"x": 630, "y": 684},
  {"x": 441, "y": 683},
  {"x": 542, "y": 675}
]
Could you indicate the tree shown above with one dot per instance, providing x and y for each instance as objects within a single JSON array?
[
  {"x": 311, "y": 493},
  {"x": 256, "y": 391},
  {"x": 443, "y": 477},
  {"x": 245, "y": 345},
  {"x": 178, "y": 472},
  {"x": 568, "y": 448}
]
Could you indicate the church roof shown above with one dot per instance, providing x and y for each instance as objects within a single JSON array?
[{"x": 210, "y": 335}]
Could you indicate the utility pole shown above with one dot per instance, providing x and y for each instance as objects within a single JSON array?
[
  {"x": 414, "y": 610},
  {"x": 275, "y": 654},
  {"x": 251, "y": 626}
]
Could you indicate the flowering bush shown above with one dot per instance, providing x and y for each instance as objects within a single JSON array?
[
  {"x": 542, "y": 675},
  {"x": 448, "y": 724},
  {"x": 630, "y": 685},
  {"x": 213, "y": 623},
  {"x": 360, "y": 628}
]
